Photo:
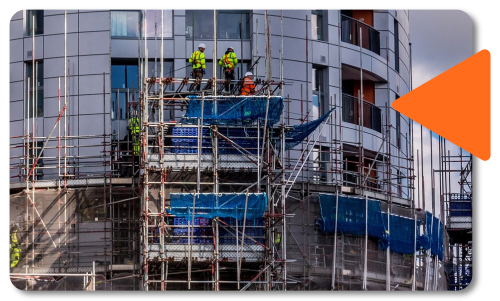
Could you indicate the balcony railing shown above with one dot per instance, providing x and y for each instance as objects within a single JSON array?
[
  {"x": 372, "y": 117},
  {"x": 350, "y": 34}
]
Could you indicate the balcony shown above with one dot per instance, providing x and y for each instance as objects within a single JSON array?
[
  {"x": 350, "y": 34},
  {"x": 372, "y": 117}
]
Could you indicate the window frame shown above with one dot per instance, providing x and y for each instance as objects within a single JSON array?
[
  {"x": 39, "y": 100},
  {"x": 39, "y": 20},
  {"x": 319, "y": 36},
  {"x": 191, "y": 28}
]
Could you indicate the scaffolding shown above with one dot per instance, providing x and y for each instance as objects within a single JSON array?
[{"x": 115, "y": 219}]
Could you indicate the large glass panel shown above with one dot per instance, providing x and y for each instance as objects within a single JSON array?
[
  {"x": 317, "y": 25},
  {"x": 203, "y": 25},
  {"x": 318, "y": 80},
  {"x": 155, "y": 69},
  {"x": 154, "y": 17},
  {"x": 125, "y": 24},
  {"x": 118, "y": 77},
  {"x": 396, "y": 45},
  {"x": 35, "y": 99},
  {"x": 132, "y": 73},
  {"x": 119, "y": 105},
  {"x": 233, "y": 25},
  {"x": 34, "y": 22},
  {"x": 230, "y": 24}
]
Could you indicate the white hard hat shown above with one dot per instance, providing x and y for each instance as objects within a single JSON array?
[
  {"x": 248, "y": 73},
  {"x": 201, "y": 45},
  {"x": 230, "y": 47}
]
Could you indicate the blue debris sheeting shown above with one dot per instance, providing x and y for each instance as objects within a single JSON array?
[
  {"x": 297, "y": 133},
  {"x": 233, "y": 110},
  {"x": 351, "y": 220},
  {"x": 210, "y": 205}
]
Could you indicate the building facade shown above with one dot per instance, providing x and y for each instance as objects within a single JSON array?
[{"x": 77, "y": 77}]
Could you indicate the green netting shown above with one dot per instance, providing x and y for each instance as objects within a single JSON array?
[
  {"x": 351, "y": 220},
  {"x": 297, "y": 133},
  {"x": 233, "y": 110},
  {"x": 210, "y": 205}
]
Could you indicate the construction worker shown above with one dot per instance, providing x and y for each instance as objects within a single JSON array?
[
  {"x": 15, "y": 250},
  {"x": 229, "y": 62},
  {"x": 248, "y": 87},
  {"x": 277, "y": 241},
  {"x": 197, "y": 60},
  {"x": 134, "y": 133}
]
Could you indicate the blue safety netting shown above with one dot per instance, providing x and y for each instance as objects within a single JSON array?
[
  {"x": 434, "y": 229},
  {"x": 297, "y": 133},
  {"x": 351, "y": 216},
  {"x": 351, "y": 220},
  {"x": 233, "y": 110},
  {"x": 402, "y": 234},
  {"x": 210, "y": 205}
]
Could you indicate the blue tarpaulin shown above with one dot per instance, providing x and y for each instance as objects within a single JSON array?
[
  {"x": 233, "y": 110},
  {"x": 297, "y": 133},
  {"x": 352, "y": 220},
  {"x": 210, "y": 205}
]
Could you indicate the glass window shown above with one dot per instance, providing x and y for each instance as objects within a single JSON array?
[
  {"x": 155, "y": 69},
  {"x": 318, "y": 83},
  {"x": 317, "y": 25},
  {"x": 34, "y": 22},
  {"x": 125, "y": 24},
  {"x": 124, "y": 76},
  {"x": 233, "y": 25},
  {"x": 230, "y": 24},
  {"x": 396, "y": 45},
  {"x": 124, "y": 88},
  {"x": 35, "y": 99},
  {"x": 200, "y": 24},
  {"x": 153, "y": 17}
]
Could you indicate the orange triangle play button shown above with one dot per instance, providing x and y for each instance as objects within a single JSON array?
[{"x": 455, "y": 105}]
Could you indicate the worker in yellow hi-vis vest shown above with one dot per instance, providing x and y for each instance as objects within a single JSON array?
[
  {"x": 135, "y": 130},
  {"x": 197, "y": 60},
  {"x": 229, "y": 62},
  {"x": 15, "y": 250},
  {"x": 277, "y": 241}
]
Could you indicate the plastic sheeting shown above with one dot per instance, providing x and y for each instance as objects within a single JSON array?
[
  {"x": 351, "y": 220},
  {"x": 233, "y": 110},
  {"x": 297, "y": 133},
  {"x": 210, "y": 205},
  {"x": 434, "y": 230}
]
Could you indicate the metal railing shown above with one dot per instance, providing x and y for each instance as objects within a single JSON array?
[
  {"x": 372, "y": 115},
  {"x": 350, "y": 34}
]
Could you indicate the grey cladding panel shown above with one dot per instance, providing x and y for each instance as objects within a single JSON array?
[
  {"x": 16, "y": 50},
  {"x": 293, "y": 28},
  {"x": 292, "y": 70},
  {"x": 294, "y": 49},
  {"x": 16, "y": 91},
  {"x": 92, "y": 125},
  {"x": 94, "y": 64},
  {"x": 16, "y": 29},
  {"x": 93, "y": 84},
  {"x": 296, "y": 14},
  {"x": 93, "y": 104},
  {"x": 54, "y": 24},
  {"x": 179, "y": 30},
  {"x": 16, "y": 71},
  {"x": 16, "y": 110},
  {"x": 17, "y": 16},
  {"x": 94, "y": 43},
  {"x": 54, "y": 45},
  {"x": 94, "y": 21},
  {"x": 28, "y": 47}
]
